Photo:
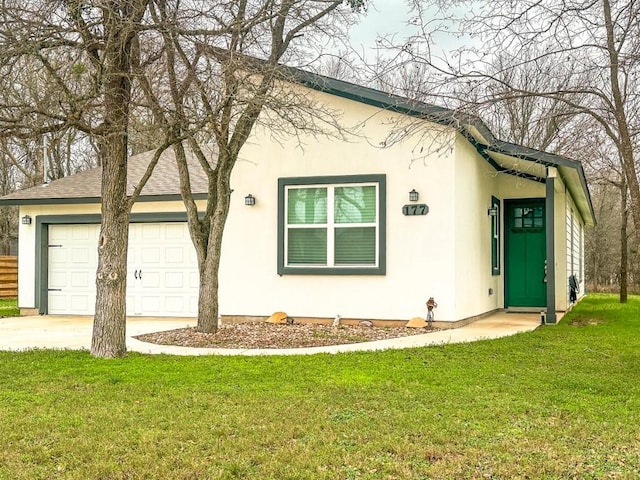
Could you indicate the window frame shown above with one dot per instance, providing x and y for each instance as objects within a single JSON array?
[
  {"x": 333, "y": 181},
  {"x": 495, "y": 236}
]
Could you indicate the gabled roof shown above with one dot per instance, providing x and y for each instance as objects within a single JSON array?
[
  {"x": 503, "y": 156},
  {"x": 86, "y": 187}
]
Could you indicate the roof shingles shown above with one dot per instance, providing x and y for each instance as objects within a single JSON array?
[{"x": 86, "y": 186}]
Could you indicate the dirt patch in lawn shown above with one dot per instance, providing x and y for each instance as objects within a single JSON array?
[
  {"x": 269, "y": 335},
  {"x": 584, "y": 322}
]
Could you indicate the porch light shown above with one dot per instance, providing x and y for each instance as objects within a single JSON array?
[
  {"x": 250, "y": 200},
  {"x": 492, "y": 212},
  {"x": 413, "y": 195},
  {"x": 26, "y": 220}
]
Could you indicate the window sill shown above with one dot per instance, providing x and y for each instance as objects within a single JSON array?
[{"x": 331, "y": 271}]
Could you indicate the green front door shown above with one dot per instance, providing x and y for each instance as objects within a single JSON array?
[{"x": 525, "y": 254}]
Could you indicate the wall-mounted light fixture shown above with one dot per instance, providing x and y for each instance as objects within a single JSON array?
[
  {"x": 26, "y": 220},
  {"x": 492, "y": 212},
  {"x": 413, "y": 195},
  {"x": 250, "y": 200}
]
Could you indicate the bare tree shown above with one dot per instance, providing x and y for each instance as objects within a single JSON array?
[
  {"x": 593, "y": 49},
  {"x": 222, "y": 77},
  {"x": 76, "y": 58}
]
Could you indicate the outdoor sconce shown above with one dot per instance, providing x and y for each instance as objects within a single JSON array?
[
  {"x": 26, "y": 220},
  {"x": 413, "y": 195},
  {"x": 492, "y": 212},
  {"x": 250, "y": 200}
]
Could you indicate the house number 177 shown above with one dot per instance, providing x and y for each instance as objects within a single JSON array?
[{"x": 416, "y": 209}]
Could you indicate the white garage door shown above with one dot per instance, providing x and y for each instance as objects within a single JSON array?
[
  {"x": 162, "y": 273},
  {"x": 73, "y": 259}
]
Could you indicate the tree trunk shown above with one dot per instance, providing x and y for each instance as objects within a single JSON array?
[
  {"x": 110, "y": 321},
  {"x": 208, "y": 296},
  {"x": 624, "y": 249},
  {"x": 109, "y": 324}
]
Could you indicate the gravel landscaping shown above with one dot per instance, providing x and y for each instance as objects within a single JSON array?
[{"x": 270, "y": 335}]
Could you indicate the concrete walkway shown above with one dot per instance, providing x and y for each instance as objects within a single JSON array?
[{"x": 74, "y": 333}]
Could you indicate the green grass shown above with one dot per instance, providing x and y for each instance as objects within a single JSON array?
[
  {"x": 560, "y": 402},
  {"x": 9, "y": 308}
]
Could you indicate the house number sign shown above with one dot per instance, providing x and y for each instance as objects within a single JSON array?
[{"x": 415, "y": 209}]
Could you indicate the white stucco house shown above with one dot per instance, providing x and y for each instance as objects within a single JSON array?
[{"x": 334, "y": 230}]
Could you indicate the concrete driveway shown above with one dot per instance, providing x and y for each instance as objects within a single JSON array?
[{"x": 74, "y": 333}]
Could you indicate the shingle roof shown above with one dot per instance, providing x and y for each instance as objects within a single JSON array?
[{"x": 85, "y": 187}]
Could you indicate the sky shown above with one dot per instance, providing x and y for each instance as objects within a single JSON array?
[
  {"x": 393, "y": 18},
  {"x": 384, "y": 17}
]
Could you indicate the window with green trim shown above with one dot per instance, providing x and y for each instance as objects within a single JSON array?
[
  {"x": 331, "y": 225},
  {"x": 495, "y": 236}
]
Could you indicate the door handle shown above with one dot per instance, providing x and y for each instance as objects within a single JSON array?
[
  {"x": 135, "y": 274},
  {"x": 140, "y": 274}
]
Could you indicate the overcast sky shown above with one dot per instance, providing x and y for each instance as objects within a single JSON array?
[
  {"x": 392, "y": 18},
  {"x": 385, "y": 17}
]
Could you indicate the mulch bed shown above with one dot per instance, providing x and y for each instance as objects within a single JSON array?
[{"x": 269, "y": 335}]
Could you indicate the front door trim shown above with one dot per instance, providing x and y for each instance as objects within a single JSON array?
[{"x": 509, "y": 204}]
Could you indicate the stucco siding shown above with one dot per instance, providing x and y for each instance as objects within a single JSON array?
[
  {"x": 420, "y": 251},
  {"x": 477, "y": 289}
]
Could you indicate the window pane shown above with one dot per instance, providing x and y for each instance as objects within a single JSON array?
[
  {"x": 307, "y": 246},
  {"x": 307, "y": 205},
  {"x": 355, "y": 204},
  {"x": 355, "y": 246}
]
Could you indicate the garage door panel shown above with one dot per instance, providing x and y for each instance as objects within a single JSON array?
[
  {"x": 80, "y": 255},
  {"x": 166, "y": 288},
  {"x": 80, "y": 279},
  {"x": 57, "y": 280},
  {"x": 151, "y": 255},
  {"x": 151, "y": 305},
  {"x": 176, "y": 232},
  {"x": 163, "y": 253},
  {"x": 174, "y": 305},
  {"x": 58, "y": 256},
  {"x": 73, "y": 260},
  {"x": 174, "y": 255},
  {"x": 174, "y": 280},
  {"x": 81, "y": 232},
  {"x": 151, "y": 280},
  {"x": 150, "y": 231},
  {"x": 81, "y": 303},
  {"x": 57, "y": 302}
]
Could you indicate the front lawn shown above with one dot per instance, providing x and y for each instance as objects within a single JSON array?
[{"x": 560, "y": 402}]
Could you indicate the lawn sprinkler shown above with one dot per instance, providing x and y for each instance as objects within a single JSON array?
[{"x": 431, "y": 305}]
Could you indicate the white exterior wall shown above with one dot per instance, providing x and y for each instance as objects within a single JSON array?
[
  {"x": 420, "y": 249},
  {"x": 476, "y": 183}
]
